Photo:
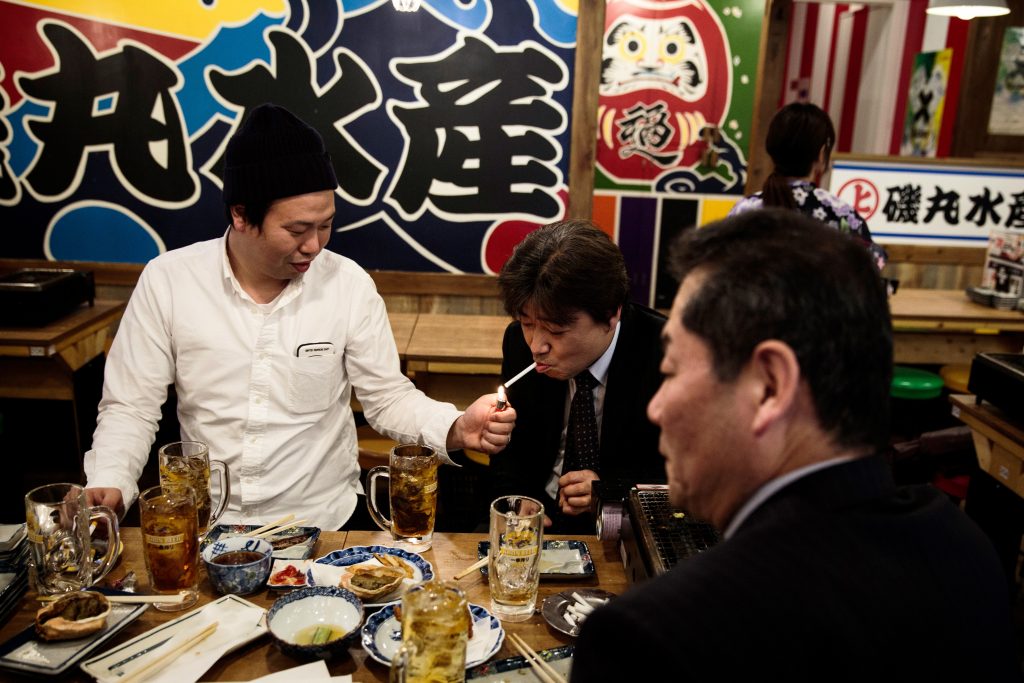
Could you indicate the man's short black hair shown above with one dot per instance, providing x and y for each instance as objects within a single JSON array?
[
  {"x": 776, "y": 274},
  {"x": 563, "y": 268}
]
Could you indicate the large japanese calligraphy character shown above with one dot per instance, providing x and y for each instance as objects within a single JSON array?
[
  {"x": 120, "y": 102},
  {"x": 983, "y": 208},
  {"x": 903, "y": 203},
  {"x": 10, "y": 191},
  {"x": 948, "y": 203},
  {"x": 293, "y": 85},
  {"x": 666, "y": 75},
  {"x": 480, "y": 140},
  {"x": 1016, "y": 217}
]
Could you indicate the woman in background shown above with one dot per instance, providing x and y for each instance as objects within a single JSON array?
[{"x": 800, "y": 140}]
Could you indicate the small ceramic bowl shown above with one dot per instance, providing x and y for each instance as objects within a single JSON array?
[
  {"x": 293, "y": 618},
  {"x": 240, "y": 579}
]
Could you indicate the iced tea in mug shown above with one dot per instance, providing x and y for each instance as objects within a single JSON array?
[
  {"x": 412, "y": 493},
  {"x": 170, "y": 542},
  {"x": 188, "y": 462},
  {"x": 435, "y": 631}
]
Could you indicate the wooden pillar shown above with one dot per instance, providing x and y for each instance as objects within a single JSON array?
[
  {"x": 583, "y": 135},
  {"x": 771, "y": 71}
]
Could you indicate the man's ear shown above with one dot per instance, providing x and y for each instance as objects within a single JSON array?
[
  {"x": 775, "y": 373},
  {"x": 238, "y": 219}
]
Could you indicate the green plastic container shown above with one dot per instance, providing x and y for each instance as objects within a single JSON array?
[{"x": 914, "y": 384}]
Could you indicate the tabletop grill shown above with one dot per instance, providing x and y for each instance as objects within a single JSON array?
[{"x": 655, "y": 536}]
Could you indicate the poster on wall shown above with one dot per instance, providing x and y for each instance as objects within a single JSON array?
[
  {"x": 1004, "y": 262},
  {"x": 925, "y": 102},
  {"x": 675, "y": 105},
  {"x": 448, "y": 126},
  {"x": 1007, "y": 117}
]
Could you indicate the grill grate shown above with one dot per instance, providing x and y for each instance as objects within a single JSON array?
[{"x": 666, "y": 535}]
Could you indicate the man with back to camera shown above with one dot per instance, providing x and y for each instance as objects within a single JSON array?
[
  {"x": 265, "y": 335},
  {"x": 772, "y": 409},
  {"x": 566, "y": 286}
]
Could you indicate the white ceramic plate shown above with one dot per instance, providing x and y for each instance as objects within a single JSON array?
[{"x": 382, "y": 635}]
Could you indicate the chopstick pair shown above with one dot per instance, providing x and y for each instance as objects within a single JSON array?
[
  {"x": 471, "y": 568},
  {"x": 165, "y": 658},
  {"x": 544, "y": 671},
  {"x": 276, "y": 523},
  {"x": 275, "y": 529}
]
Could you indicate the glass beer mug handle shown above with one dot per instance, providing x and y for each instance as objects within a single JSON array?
[
  {"x": 102, "y": 512},
  {"x": 400, "y": 664},
  {"x": 224, "y": 482},
  {"x": 371, "y": 496}
]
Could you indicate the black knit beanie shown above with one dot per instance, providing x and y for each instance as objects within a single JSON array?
[{"x": 275, "y": 154}]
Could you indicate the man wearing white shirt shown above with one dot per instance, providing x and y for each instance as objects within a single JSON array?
[
  {"x": 567, "y": 287},
  {"x": 265, "y": 335},
  {"x": 773, "y": 409}
]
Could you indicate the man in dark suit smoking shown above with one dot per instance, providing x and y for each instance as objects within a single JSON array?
[{"x": 567, "y": 287}]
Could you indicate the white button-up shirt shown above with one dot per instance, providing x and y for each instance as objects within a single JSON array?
[{"x": 266, "y": 386}]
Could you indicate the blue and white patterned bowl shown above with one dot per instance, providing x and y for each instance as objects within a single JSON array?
[
  {"x": 240, "y": 579},
  {"x": 310, "y": 607}
]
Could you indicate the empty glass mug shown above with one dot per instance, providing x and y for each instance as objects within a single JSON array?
[
  {"x": 57, "y": 524},
  {"x": 412, "y": 493},
  {"x": 188, "y": 462},
  {"x": 513, "y": 566}
]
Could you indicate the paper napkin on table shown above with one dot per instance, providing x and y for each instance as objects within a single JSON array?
[
  {"x": 235, "y": 625},
  {"x": 561, "y": 561},
  {"x": 314, "y": 671}
]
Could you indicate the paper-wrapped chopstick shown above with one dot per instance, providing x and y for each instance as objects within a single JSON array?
[
  {"x": 168, "y": 655},
  {"x": 136, "y": 599},
  {"x": 544, "y": 671},
  {"x": 471, "y": 568}
]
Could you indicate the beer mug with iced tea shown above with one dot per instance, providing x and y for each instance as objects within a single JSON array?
[
  {"x": 188, "y": 462},
  {"x": 170, "y": 542},
  {"x": 435, "y": 631},
  {"x": 412, "y": 493}
]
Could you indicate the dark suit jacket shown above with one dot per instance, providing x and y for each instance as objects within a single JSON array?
[
  {"x": 840, "y": 576},
  {"x": 629, "y": 442}
]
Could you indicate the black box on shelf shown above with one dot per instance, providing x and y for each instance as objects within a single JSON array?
[{"x": 34, "y": 297}]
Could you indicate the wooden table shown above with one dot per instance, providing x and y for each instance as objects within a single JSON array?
[
  {"x": 940, "y": 326},
  {"x": 995, "y": 496},
  {"x": 40, "y": 363},
  {"x": 450, "y": 554},
  {"x": 402, "y": 325}
]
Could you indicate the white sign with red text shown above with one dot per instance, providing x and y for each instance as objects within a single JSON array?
[{"x": 918, "y": 204}]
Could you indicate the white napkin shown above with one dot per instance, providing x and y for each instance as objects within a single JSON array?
[
  {"x": 314, "y": 671},
  {"x": 483, "y": 640},
  {"x": 235, "y": 625},
  {"x": 561, "y": 561}
]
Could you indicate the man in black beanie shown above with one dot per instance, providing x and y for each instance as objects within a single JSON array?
[{"x": 265, "y": 335}]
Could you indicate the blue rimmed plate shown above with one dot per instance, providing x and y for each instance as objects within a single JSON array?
[
  {"x": 363, "y": 554},
  {"x": 558, "y": 559},
  {"x": 382, "y": 635},
  {"x": 560, "y": 658}
]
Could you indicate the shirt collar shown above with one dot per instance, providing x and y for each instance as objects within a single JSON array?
[
  {"x": 772, "y": 487},
  {"x": 599, "y": 368},
  {"x": 290, "y": 291}
]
